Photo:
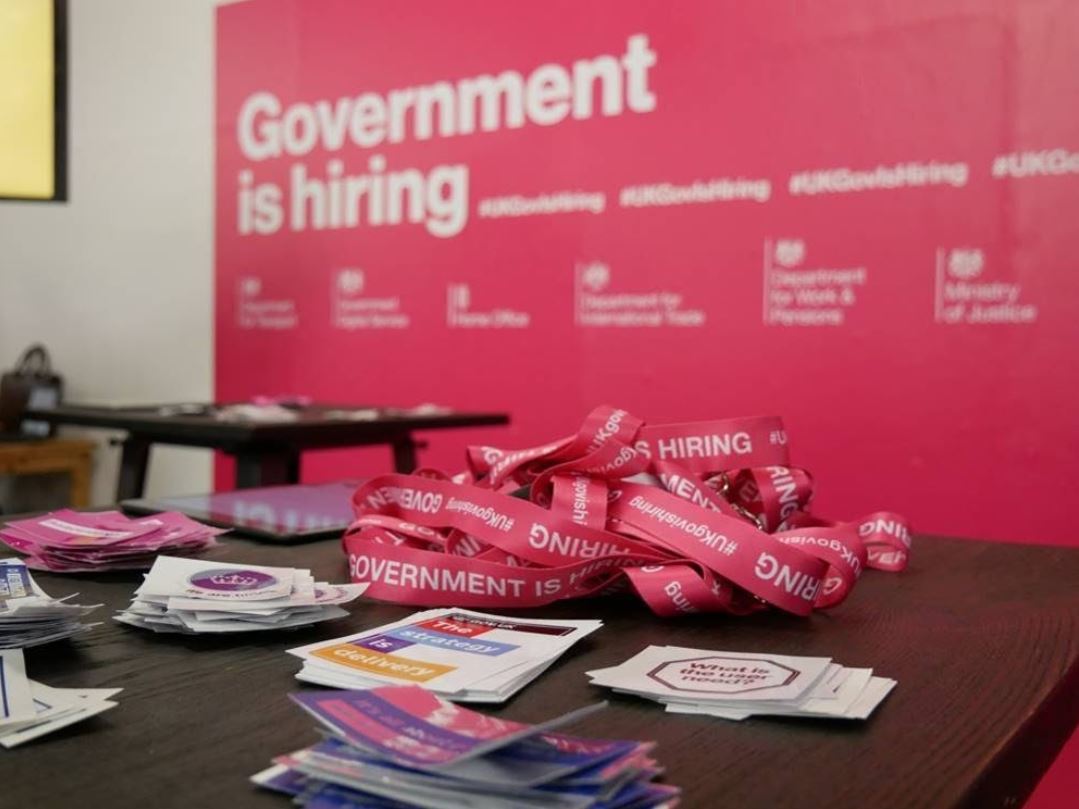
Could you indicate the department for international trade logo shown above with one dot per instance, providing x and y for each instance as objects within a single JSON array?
[
  {"x": 250, "y": 286},
  {"x": 350, "y": 281},
  {"x": 965, "y": 263},
  {"x": 595, "y": 275},
  {"x": 226, "y": 580},
  {"x": 790, "y": 252}
]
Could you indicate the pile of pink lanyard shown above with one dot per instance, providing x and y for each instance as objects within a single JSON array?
[{"x": 695, "y": 517}]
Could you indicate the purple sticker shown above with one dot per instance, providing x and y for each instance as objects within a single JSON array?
[
  {"x": 232, "y": 581},
  {"x": 383, "y": 643}
]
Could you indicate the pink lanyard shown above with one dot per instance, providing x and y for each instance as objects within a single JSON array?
[{"x": 695, "y": 517}]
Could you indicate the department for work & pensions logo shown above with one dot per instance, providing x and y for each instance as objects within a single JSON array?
[{"x": 790, "y": 252}]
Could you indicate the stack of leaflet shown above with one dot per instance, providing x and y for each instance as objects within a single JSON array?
[
  {"x": 29, "y": 709},
  {"x": 196, "y": 597},
  {"x": 465, "y": 656},
  {"x": 737, "y": 685},
  {"x": 402, "y": 746},
  {"x": 28, "y": 615},
  {"x": 69, "y": 542}
]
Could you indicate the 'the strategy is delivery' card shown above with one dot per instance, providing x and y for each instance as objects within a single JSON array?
[{"x": 457, "y": 653}]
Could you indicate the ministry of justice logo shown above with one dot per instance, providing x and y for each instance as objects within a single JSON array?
[
  {"x": 595, "y": 275},
  {"x": 966, "y": 263},
  {"x": 790, "y": 252},
  {"x": 232, "y": 581},
  {"x": 350, "y": 281}
]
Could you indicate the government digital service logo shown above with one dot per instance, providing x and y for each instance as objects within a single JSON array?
[
  {"x": 226, "y": 580},
  {"x": 350, "y": 281}
]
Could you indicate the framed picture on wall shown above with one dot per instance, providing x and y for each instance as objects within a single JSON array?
[{"x": 33, "y": 100}]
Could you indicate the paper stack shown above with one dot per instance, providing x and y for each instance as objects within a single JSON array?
[
  {"x": 737, "y": 685},
  {"x": 28, "y": 615},
  {"x": 29, "y": 709},
  {"x": 197, "y": 597},
  {"x": 463, "y": 655},
  {"x": 69, "y": 542},
  {"x": 402, "y": 746}
]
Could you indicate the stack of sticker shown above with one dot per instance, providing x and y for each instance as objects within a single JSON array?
[
  {"x": 28, "y": 615},
  {"x": 465, "y": 656},
  {"x": 737, "y": 685},
  {"x": 402, "y": 746},
  {"x": 29, "y": 709},
  {"x": 69, "y": 542},
  {"x": 195, "y": 597}
]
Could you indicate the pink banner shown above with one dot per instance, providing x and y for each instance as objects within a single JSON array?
[{"x": 858, "y": 216}]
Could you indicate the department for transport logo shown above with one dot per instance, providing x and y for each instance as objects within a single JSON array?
[
  {"x": 250, "y": 286},
  {"x": 790, "y": 252},
  {"x": 350, "y": 281},
  {"x": 965, "y": 263}
]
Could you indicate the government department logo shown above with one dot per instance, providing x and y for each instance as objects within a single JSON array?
[
  {"x": 595, "y": 276},
  {"x": 966, "y": 263},
  {"x": 250, "y": 286},
  {"x": 790, "y": 252},
  {"x": 458, "y": 296},
  {"x": 232, "y": 581},
  {"x": 350, "y": 281}
]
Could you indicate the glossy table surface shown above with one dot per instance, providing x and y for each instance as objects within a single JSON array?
[{"x": 983, "y": 639}]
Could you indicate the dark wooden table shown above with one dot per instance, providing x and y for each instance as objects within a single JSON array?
[
  {"x": 983, "y": 639},
  {"x": 266, "y": 453}
]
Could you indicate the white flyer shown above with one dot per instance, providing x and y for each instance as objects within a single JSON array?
[
  {"x": 218, "y": 581},
  {"x": 701, "y": 675},
  {"x": 446, "y": 650}
]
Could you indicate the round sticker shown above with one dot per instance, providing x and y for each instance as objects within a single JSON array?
[{"x": 232, "y": 581}]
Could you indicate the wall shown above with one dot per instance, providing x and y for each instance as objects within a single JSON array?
[{"x": 117, "y": 282}]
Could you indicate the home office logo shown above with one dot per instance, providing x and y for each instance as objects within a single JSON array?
[
  {"x": 460, "y": 315},
  {"x": 352, "y": 309},
  {"x": 965, "y": 263},
  {"x": 970, "y": 291},
  {"x": 229, "y": 580},
  {"x": 790, "y": 252},
  {"x": 253, "y": 311},
  {"x": 596, "y": 305}
]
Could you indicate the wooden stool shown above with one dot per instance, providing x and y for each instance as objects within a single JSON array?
[{"x": 71, "y": 455}]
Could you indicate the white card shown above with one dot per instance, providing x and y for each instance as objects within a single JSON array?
[
  {"x": 702, "y": 675},
  {"x": 16, "y": 697},
  {"x": 218, "y": 581},
  {"x": 446, "y": 650}
]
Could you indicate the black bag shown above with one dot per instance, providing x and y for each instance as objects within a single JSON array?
[{"x": 31, "y": 384}]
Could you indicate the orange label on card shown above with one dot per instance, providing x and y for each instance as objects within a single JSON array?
[{"x": 400, "y": 668}]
